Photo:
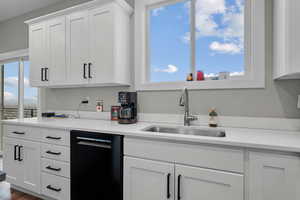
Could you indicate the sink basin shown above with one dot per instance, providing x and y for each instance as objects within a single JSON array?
[{"x": 186, "y": 131}]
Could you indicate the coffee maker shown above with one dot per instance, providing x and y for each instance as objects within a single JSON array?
[{"x": 128, "y": 110}]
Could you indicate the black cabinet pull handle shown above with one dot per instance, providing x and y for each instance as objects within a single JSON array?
[
  {"x": 53, "y": 189},
  {"x": 15, "y": 152},
  {"x": 89, "y": 68},
  {"x": 18, "y": 133},
  {"x": 46, "y": 73},
  {"x": 19, "y": 152},
  {"x": 168, "y": 186},
  {"x": 178, "y": 188},
  {"x": 53, "y": 138},
  {"x": 84, "y": 71},
  {"x": 53, "y": 153},
  {"x": 53, "y": 169},
  {"x": 42, "y": 74}
]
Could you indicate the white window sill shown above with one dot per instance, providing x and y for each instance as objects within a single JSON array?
[{"x": 202, "y": 85}]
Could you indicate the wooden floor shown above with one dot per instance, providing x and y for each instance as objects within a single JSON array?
[{"x": 16, "y": 195}]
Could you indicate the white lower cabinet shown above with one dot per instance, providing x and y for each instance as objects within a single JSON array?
[
  {"x": 147, "y": 180},
  {"x": 193, "y": 183},
  {"x": 273, "y": 176},
  {"x": 55, "y": 187},
  {"x": 22, "y": 162}
]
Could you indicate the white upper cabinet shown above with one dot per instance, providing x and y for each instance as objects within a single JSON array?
[
  {"x": 56, "y": 38},
  {"x": 38, "y": 54},
  {"x": 77, "y": 47},
  {"x": 83, "y": 45},
  {"x": 286, "y": 39}
]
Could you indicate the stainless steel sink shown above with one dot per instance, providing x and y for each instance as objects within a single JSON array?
[{"x": 186, "y": 131}]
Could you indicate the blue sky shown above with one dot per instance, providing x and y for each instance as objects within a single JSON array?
[
  {"x": 219, "y": 44},
  {"x": 11, "y": 85}
]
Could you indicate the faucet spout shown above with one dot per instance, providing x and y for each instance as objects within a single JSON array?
[{"x": 184, "y": 101}]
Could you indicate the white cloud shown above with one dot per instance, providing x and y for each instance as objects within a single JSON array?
[
  {"x": 156, "y": 11},
  {"x": 9, "y": 96},
  {"x": 13, "y": 82},
  {"x": 230, "y": 48},
  {"x": 237, "y": 73},
  {"x": 170, "y": 69}
]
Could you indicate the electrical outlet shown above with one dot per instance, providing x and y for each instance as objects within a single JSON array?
[
  {"x": 85, "y": 100},
  {"x": 298, "y": 102}
]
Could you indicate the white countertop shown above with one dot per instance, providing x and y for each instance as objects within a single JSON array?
[{"x": 288, "y": 141}]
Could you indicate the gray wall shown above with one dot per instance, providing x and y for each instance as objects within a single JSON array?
[{"x": 278, "y": 99}]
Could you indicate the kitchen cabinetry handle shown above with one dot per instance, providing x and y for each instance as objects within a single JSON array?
[
  {"x": 53, "y": 138},
  {"x": 46, "y": 73},
  {"x": 89, "y": 70},
  {"x": 53, "y": 189},
  {"x": 84, "y": 71},
  {"x": 53, "y": 153},
  {"x": 19, "y": 152},
  {"x": 15, "y": 152},
  {"x": 42, "y": 74},
  {"x": 178, "y": 187},
  {"x": 53, "y": 169},
  {"x": 168, "y": 186},
  {"x": 18, "y": 133}
]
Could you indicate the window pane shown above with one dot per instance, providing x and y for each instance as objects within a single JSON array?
[
  {"x": 169, "y": 48},
  {"x": 220, "y": 37},
  {"x": 30, "y": 95},
  {"x": 11, "y": 73}
]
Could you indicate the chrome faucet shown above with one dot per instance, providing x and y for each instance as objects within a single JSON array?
[{"x": 184, "y": 101}]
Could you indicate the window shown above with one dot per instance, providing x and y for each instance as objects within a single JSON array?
[
  {"x": 169, "y": 57},
  {"x": 222, "y": 38},
  {"x": 30, "y": 94},
  {"x": 13, "y": 103},
  {"x": 11, "y": 90}
]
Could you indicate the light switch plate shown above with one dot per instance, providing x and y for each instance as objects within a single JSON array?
[{"x": 298, "y": 102}]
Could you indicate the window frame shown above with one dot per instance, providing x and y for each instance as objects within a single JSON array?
[
  {"x": 19, "y": 56},
  {"x": 254, "y": 51}
]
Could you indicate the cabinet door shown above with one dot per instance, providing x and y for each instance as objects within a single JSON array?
[
  {"x": 38, "y": 54},
  {"x": 196, "y": 183},
  {"x": 274, "y": 177},
  {"x": 30, "y": 155},
  {"x": 11, "y": 165},
  {"x": 56, "y": 71},
  {"x": 101, "y": 69},
  {"x": 77, "y": 48},
  {"x": 148, "y": 180}
]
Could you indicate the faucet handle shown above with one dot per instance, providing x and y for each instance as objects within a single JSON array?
[{"x": 181, "y": 101}]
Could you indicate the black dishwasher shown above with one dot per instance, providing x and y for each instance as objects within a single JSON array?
[{"x": 96, "y": 166}]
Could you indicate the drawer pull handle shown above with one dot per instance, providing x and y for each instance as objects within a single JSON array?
[
  {"x": 53, "y": 153},
  {"x": 53, "y": 169},
  {"x": 53, "y": 138},
  {"x": 178, "y": 188},
  {"x": 53, "y": 189},
  {"x": 19, "y": 152},
  {"x": 18, "y": 133},
  {"x": 168, "y": 186}
]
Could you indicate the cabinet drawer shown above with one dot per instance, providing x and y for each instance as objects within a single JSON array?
[
  {"x": 55, "y": 187},
  {"x": 196, "y": 155},
  {"x": 55, "y": 136},
  {"x": 56, "y": 167},
  {"x": 22, "y": 132},
  {"x": 56, "y": 152}
]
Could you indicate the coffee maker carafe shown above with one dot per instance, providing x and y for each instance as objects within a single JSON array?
[{"x": 128, "y": 110}]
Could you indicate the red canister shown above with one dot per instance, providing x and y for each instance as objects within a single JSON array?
[{"x": 200, "y": 76}]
